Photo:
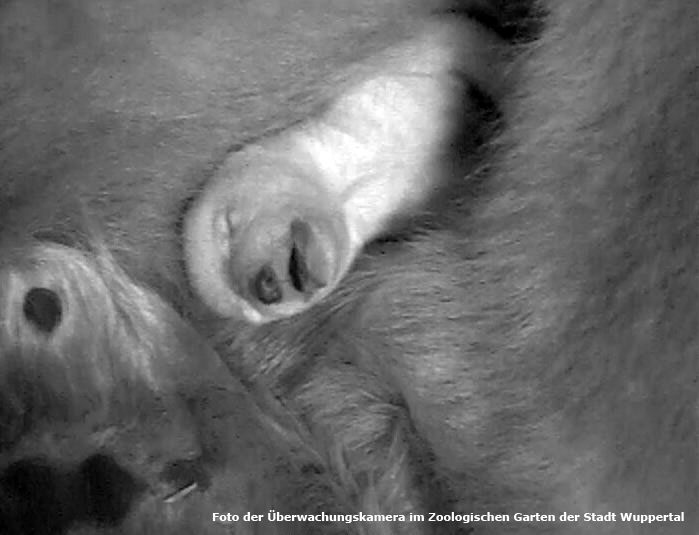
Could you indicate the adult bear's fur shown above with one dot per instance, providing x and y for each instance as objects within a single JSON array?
[{"x": 537, "y": 353}]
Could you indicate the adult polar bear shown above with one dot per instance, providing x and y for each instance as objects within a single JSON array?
[
  {"x": 114, "y": 410},
  {"x": 537, "y": 355}
]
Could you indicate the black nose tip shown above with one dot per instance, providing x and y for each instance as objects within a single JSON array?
[
  {"x": 42, "y": 308},
  {"x": 39, "y": 498}
]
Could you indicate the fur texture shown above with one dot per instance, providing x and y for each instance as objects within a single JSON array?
[{"x": 532, "y": 349}]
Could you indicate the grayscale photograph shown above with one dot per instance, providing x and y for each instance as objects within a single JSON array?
[{"x": 349, "y": 267}]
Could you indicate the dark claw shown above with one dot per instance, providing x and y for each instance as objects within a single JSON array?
[{"x": 183, "y": 477}]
